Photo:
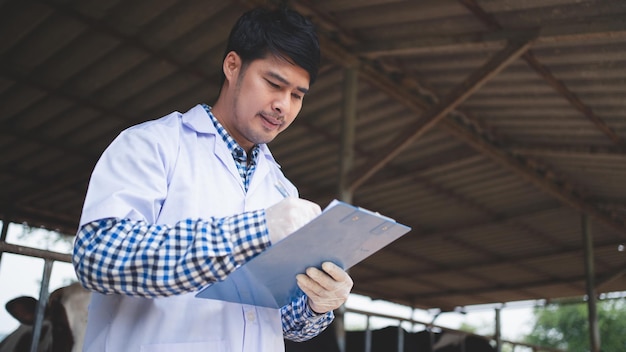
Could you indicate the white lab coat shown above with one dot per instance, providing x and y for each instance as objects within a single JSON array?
[{"x": 182, "y": 170}]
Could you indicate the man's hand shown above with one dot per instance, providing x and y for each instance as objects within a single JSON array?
[
  {"x": 288, "y": 215},
  {"x": 327, "y": 290}
]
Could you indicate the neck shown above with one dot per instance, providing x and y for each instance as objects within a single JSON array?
[{"x": 223, "y": 114}]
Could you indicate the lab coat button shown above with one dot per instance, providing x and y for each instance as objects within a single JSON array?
[{"x": 250, "y": 316}]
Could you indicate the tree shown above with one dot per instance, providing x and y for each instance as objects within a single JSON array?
[{"x": 565, "y": 326}]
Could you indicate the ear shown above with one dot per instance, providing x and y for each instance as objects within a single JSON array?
[
  {"x": 23, "y": 309},
  {"x": 232, "y": 66}
]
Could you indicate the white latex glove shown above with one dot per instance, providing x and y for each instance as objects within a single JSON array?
[
  {"x": 288, "y": 215},
  {"x": 327, "y": 290}
]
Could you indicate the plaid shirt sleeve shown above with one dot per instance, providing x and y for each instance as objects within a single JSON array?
[
  {"x": 135, "y": 258},
  {"x": 138, "y": 259},
  {"x": 300, "y": 323}
]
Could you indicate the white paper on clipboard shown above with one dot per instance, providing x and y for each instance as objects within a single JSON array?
[{"x": 342, "y": 234}]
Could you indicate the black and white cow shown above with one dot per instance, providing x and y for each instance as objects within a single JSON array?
[
  {"x": 64, "y": 323},
  {"x": 325, "y": 341},
  {"x": 386, "y": 340}
]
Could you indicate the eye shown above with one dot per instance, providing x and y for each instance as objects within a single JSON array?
[
  {"x": 296, "y": 96},
  {"x": 272, "y": 84}
]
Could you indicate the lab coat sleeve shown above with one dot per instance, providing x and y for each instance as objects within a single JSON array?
[
  {"x": 122, "y": 248},
  {"x": 300, "y": 323},
  {"x": 139, "y": 259},
  {"x": 130, "y": 179}
]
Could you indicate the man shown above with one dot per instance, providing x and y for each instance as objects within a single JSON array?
[{"x": 180, "y": 202}]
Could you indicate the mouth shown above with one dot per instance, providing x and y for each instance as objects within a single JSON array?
[{"x": 271, "y": 121}]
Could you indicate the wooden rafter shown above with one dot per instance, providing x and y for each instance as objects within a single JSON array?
[
  {"x": 345, "y": 57},
  {"x": 564, "y": 150},
  {"x": 604, "y": 28},
  {"x": 463, "y": 91},
  {"x": 611, "y": 29}
]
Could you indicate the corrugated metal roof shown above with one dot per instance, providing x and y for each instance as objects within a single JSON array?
[{"x": 513, "y": 114}]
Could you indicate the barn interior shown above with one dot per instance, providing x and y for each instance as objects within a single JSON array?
[{"x": 493, "y": 128}]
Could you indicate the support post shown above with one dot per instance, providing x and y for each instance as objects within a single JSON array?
[
  {"x": 41, "y": 306},
  {"x": 498, "y": 336},
  {"x": 3, "y": 234},
  {"x": 368, "y": 335},
  {"x": 594, "y": 331},
  {"x": 400, "y": 337}
]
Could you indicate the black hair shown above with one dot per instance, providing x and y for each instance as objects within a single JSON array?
[{"x": 283, "y": 32}]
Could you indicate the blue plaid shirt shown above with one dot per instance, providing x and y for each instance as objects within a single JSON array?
[
  {"x": 118, "y": 255},
  {"x": 239, "y": 154}
]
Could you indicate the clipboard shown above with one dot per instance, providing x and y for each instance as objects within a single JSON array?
[{"x": 342, "y": 233}]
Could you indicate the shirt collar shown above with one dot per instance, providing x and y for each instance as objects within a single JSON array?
[{"x": 235, "y": 149}]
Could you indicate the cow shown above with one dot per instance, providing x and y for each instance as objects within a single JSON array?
[
  {"x": 387, "y": 340},
  {"x": 456, "y": 341},
  {"x": 325, "y": 341},
  {"x": 64, "y": 323}
]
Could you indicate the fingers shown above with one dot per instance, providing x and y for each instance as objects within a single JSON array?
[
  {"x": 327, "y": 289},
  {"x": 308, "y": 286},
  {"x": 336, "y": 272},
  {"x": 319, "y": 279},
  {"x": 288, "y": 215},
  {"x": 329, "y": 278}
]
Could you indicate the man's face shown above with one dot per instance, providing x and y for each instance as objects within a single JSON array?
[{"x": 267, "y": 98}]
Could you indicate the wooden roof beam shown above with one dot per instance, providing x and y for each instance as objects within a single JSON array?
[
  {"x": 474, "y": 267},
  {"x": 610, "y": 277},
  {"x": 431, "y": 117},
  {"x": 522, "y": 168},
  {"x": 343, "y": 56},
  {"x": 613, "y": 27},
  {"x": 569, "y": 150},
  {"x": 562, "y": 89},
  {"x": 514, "y": 287},
  {"x": 618, "y": 28}
]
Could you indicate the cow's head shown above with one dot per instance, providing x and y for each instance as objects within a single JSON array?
[{"x": 63, "y": 326}]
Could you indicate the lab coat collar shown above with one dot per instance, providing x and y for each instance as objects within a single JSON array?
[
  {"x": 198, "y": 120},
  {"x": 264, "y": 151}
]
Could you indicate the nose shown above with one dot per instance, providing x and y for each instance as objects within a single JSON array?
[{"x": 280, "y": 104}]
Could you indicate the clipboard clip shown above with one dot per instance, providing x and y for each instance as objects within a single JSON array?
[
  {"x": 386, "y": 224},
  {"x": 382, "y": 228}
]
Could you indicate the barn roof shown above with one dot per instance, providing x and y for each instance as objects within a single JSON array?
[{"x": 491, "y": 127}]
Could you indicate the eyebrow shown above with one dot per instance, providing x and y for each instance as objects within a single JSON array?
[{"x": 286, "y": 82}]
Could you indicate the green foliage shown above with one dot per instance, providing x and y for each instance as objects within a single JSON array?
[
  {"x": 566, "y": 326},
  {"x": 507, "y": 347},
  {"x": 468, "y": 328}
]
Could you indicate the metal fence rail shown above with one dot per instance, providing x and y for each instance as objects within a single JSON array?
[
  {"x": 535, "y": 348},
  {"x": 50, "y": 257}
]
